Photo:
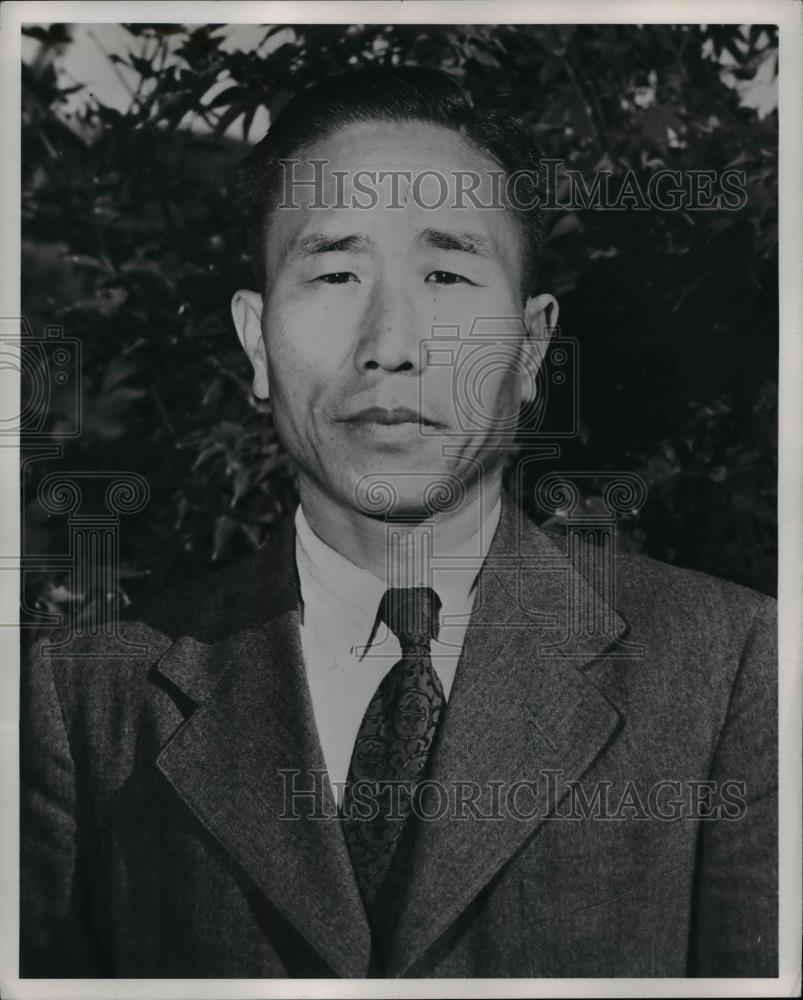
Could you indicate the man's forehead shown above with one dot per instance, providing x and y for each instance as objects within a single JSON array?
[
  {"x": 385, "y": 144},
  {"x": 403, "y": 177},
  {"x": 393, "y": 165}
]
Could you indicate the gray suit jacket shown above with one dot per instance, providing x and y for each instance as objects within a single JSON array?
[{"x": 156, "y": 834}]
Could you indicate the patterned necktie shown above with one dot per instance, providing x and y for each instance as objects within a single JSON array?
[{"x": 389, "y": 757}]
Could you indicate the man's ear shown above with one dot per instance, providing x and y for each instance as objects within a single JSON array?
[
  {"x": 246, "y": 311},
  {"x": 540, "y": 320}
]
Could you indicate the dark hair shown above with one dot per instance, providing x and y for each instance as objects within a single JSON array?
[{"x": 402, "y": 93}]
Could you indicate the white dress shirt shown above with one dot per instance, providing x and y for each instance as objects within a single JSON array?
[{"x": 344, "y": 662}]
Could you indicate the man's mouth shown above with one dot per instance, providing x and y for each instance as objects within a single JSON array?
[{"x": 389, "y": 417}]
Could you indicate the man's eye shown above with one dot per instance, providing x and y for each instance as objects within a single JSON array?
[
  {"x": 447, "y": 278},
  {"x": 337, "y": 278}
]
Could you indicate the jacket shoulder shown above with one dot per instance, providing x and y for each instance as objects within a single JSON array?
[
  {"x": 689, "y": 594},
  {"x": 654, "y": 594},
  {"x": 207, "y": 609}
]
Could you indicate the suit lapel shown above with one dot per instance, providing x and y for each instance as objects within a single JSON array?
[
  {"x": 250, "y": 740},
  {"x": 519, "y": 709}
]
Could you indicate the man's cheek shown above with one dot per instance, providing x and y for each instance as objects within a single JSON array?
[
  {"x": 471, "y": 388},
  {"x": 312, "y": 339},
  {"x": 292, "y": 347}
]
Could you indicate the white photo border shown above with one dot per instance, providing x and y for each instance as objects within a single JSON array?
[{"x": 788, "y": 15}]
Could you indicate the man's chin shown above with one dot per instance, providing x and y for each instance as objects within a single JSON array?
[{"x": 409, "y": 494}]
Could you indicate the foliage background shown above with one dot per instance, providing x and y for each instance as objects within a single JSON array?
[{"x": 131, "y": 243}]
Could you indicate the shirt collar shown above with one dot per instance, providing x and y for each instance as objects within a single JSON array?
[
  {"x": 350, "y": 595},
  {"x": 328, "y": 581}
]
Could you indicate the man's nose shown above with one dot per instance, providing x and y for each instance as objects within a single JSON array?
[{"x": 391, "y": 335}]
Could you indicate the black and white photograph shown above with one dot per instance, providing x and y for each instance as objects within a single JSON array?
[{"x": 401, "y": 442}]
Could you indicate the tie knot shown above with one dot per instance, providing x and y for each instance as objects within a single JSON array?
[{"x": 411, "y": 614}]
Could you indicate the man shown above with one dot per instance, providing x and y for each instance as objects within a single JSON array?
[{"x": 410, "y": 736}]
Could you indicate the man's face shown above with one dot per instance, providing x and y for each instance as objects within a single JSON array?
[{"x": 391, "y": 340}]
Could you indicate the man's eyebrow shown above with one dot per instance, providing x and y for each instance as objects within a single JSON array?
[
  {"x": 460, "y": 241},
  {"x": 316, "y": 243}
]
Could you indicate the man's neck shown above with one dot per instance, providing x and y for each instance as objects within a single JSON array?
[{"x": 395, "y": 550}]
